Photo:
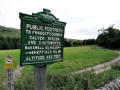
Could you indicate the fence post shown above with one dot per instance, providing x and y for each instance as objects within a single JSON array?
[{"x": 85, "y": 82}]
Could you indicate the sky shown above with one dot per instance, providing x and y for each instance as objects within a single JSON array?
[{"x": 83, "y": 17}]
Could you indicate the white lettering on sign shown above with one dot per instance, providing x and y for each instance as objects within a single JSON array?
[
  {"x": 53, "y": 38},
  {"x": 57, "y": 56},
  {"x": 51, "y": 29},
  {"x": 46, "y": 33},
  {"x": 31, "y": 58},
  {"x": 42, "y": 42},
  {"x": 34, "y": 27},
  {"x": 34, "y": 47},
  {"x": 36, "y": 38},
  {"x": 50, "y": 43},
  {"x": 32, "y": 42},
  {"x": 28, "y": 32}
]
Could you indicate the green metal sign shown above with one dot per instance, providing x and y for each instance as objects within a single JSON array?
[{"x": 42, "y": 38}]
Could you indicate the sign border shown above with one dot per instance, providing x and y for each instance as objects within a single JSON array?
[{"x": 24, "y": 18}]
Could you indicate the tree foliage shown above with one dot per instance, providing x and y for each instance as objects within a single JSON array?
[
  {"x": 109, "y": 37},
  {"x": 9, "y": 38},
  {"x": 74, "y": 42}
]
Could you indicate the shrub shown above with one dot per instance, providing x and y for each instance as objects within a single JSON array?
[{"x": 116, "y": 66}]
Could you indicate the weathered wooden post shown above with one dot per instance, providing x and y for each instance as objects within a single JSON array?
[
  {"x": 9, "y": 72},
  {"x": 40, "y": 78},
  {"x": 42, "y": 38}
]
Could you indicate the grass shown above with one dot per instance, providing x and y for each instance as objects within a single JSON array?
[
  {"x": 106, "y": 77},
  {"x": 75, "y": 58}
]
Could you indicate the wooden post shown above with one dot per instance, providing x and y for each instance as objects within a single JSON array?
[
  {"x": 39, "y": 78},
  {"x": 9, "y": 72},
  {"x": 10, "y": 83}
]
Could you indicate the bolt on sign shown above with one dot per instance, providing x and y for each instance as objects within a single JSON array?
[
  {"x": 8, "y": 62},
  {"x": 42, "y": 38}
]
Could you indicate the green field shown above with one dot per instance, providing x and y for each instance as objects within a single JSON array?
[{"x": 75, "y": 58}]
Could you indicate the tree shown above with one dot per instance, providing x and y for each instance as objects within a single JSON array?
[
  {"x": 109, "y": 37},
  {"x": 67, "y": 43}
]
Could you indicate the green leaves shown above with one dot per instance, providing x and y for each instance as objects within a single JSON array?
[
  {"x": 9, "y": 38},
  {"x": 109, "y": 38}
]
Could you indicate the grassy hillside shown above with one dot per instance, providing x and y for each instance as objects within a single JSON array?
[
  {"x": 9, "y": 32},
  {"x": 9, "y": 38}
]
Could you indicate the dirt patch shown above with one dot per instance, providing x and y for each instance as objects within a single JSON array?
[{"x": 17, "y": 72}]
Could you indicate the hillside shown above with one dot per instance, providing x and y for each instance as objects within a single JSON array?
[
  {"x": 9, "y": 38},
  {"x": 9, "y": 32}
]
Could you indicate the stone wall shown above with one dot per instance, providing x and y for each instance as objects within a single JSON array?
[{"x": 114, "y": 85}]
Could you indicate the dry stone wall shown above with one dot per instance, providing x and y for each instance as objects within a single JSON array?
[{"x": 114, "y": 85}]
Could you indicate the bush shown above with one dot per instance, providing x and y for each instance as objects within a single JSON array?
[
  {"x": 67, "y": 43},
  {"x": 74, "y": 42},
  {"x": 116, "y": 66},
  {"x": 89, "y": 42},
  {"x": 24, "y": 83},
  {"x": 77, "y": 42}
]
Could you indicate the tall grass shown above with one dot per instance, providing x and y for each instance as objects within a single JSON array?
[{"x": 69, "y": 82}]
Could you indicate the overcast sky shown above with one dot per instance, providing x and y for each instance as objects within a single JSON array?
[{"x": 83, "y": 17}]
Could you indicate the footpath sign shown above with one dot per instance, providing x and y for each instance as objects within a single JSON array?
[
  {"x": 9, "y": 72},
  {"x": 42, "y": 39}
]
